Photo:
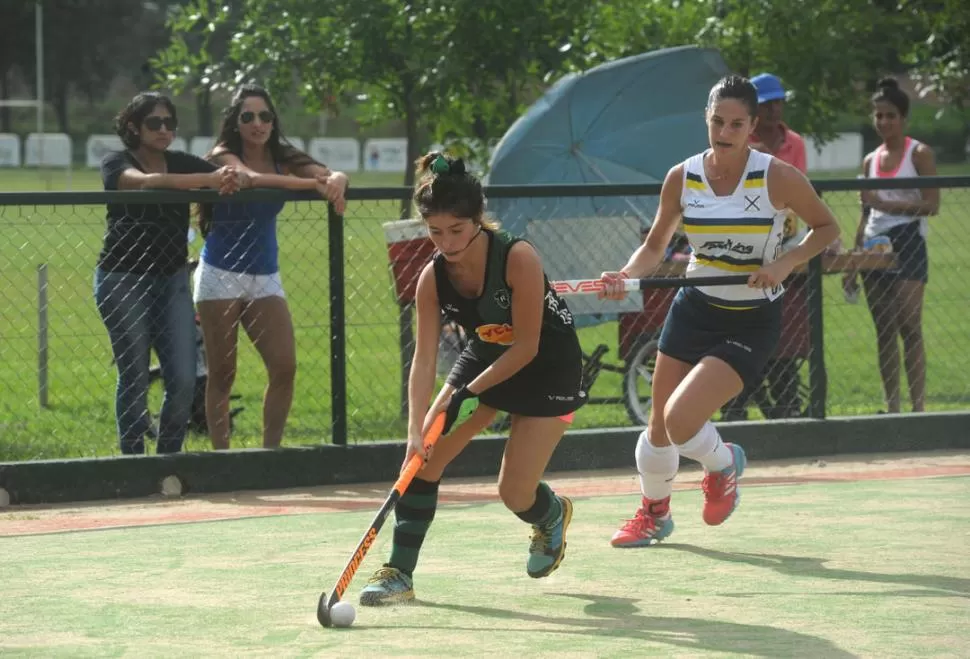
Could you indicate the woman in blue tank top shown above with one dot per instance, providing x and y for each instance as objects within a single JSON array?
[
  {"x": 238, "y": 281},
  {"x": 716, "y": 339}
]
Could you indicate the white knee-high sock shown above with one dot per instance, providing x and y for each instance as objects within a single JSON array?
[
  {"x": 707, "y": 448},
  {"x": 657, "y": 466}
]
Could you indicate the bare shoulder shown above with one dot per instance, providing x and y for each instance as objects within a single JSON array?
[
  {"x": 522, "y": 257},
  {"x": 675, "y": 174},
  {"x": 674, "y": 182},
  {"x": 222, "y": 155},
  {"x": 427, "y": 288},
  {"x": 923, "y": 151},
  {"x": 781, "y": 173}
]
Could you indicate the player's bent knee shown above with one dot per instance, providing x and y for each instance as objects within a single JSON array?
[
  {"x": 656, "y": 430},
  {"x": 516, "y": 497},
  {"x": 681, "y": 423}
]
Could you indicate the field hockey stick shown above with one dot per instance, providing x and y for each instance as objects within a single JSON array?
[
  {"x": 407, "y": 475},
  {"x": 591, "y": 286}
]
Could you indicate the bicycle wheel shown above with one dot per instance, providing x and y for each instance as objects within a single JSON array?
[{"x": 638, "y": 380}]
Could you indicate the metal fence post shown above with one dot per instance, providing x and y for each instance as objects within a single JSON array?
[
  {"x": 42, "y": 334},
  {"x": 818, "y": 381},
  {"x": 338, "y": 328},
  {"x": 406, "y": 340}
]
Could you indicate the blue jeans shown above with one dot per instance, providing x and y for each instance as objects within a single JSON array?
[{"x": 141, "y": 312}]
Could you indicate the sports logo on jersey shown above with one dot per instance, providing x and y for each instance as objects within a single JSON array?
[
  {"x": 729, "y": 245},
  {"x": 503, "y": 299},
  {"x": 499, "y": 334},
  {"x": 752, "y": 203}
]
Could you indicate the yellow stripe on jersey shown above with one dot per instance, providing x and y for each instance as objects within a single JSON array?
[
  {"x": 695, "y": 185},
  {"x": 721, "y": 306},
  {"x": 755, "y": 179},
  {"x": 713, "y": 228},
  {"x": 729, "y": 267}
]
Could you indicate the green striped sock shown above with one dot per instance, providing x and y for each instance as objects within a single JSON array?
[{"x": 413, "y": 516}]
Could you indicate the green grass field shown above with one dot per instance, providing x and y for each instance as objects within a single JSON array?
[
  {"x": 80, "y": 419},
  {"x": 815, "y": 570}
]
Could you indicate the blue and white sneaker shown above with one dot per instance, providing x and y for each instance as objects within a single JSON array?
[
  {"x": 548, "y": 546},
  {"x": 388, "y": 586}
]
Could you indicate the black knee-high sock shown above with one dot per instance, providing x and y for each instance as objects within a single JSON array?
[
  {"x": 413, "y": 516},
  {"x": 546, "y": 508}
]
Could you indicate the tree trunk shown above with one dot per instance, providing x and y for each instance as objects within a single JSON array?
[
  {"x": 203, "y": 105},
  {"x": 411, "y": 128},
  {"x": 4, "y": 111},
  {"x": 60, "y": 103}
]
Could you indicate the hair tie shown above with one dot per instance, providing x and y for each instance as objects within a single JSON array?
[{"x": 440, "y": 165}]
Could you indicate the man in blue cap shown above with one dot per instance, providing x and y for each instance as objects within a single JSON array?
[{"x": 771, "y": 134}]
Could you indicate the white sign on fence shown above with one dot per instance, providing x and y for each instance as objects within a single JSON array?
[
  {"x": 386, "y": 154},
  {"x": 99, "y": 145},
  {"x": 48, "y": 150},
  {"x": 340, "y": 154},
  {"x": 9, "y": 150},
  {"x": 201, "y": 144},
  {"x": 844, "y": 152}
]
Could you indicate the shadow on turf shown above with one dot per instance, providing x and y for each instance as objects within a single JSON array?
[
  {"x": 803, "y": 566},
  {"x": 620, "y": 617}
]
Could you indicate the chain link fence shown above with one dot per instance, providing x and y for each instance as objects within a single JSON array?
[{"x": 349, "y": 287}]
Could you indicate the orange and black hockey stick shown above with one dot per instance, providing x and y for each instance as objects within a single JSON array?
[{"x": 327, "y": 600}]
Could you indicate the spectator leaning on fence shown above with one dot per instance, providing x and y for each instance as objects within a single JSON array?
[
  {"x": 238, "y": 279},
  {"x": 895, "y": 299},
  {"x": 523, "y": 357},
  {"x": 141, "y": 283},
  {"x": 716, "y": 339}
]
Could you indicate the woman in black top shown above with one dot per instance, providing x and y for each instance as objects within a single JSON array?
[{"x": 141, "y": 283}]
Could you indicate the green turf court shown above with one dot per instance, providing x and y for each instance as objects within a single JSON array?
[{"x": 845, "y": 569}]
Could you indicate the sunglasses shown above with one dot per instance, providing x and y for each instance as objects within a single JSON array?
[
  {"x": 156, "y": 123},
  {"x": 264, "y": 115}
]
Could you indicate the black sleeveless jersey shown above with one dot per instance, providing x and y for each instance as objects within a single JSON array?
[{"x": 487, "y": 319}]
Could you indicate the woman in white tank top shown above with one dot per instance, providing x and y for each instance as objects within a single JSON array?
[
  {"x": 716, "y": 339},
  {"x": 896, "y": 300}
]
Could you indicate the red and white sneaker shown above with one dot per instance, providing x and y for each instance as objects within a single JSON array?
[
  {"x": 647, "y": 526},
  {"x": 721, "y": 493}
]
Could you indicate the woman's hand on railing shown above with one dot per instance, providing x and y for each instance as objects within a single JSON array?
[{"x": 333, "y": 187}]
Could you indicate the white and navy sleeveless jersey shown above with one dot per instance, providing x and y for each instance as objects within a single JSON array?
[{"x": 732, "y": 234}]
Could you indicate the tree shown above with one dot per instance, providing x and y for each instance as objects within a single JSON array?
[
  {"x": 452, "y": 68},
  {"x": 941, "y": 58},
  {"x": 15, "y": 53},
  {"x": 501, "y": 55},
  {"x": 84, "y": 48},
  {"x": 824, "y": 50}
]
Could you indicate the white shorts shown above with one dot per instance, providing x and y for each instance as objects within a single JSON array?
[{"x": 212, "y": 283}]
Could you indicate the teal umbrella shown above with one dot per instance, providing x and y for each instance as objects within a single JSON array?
[{"x": 626, "y": 121}]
